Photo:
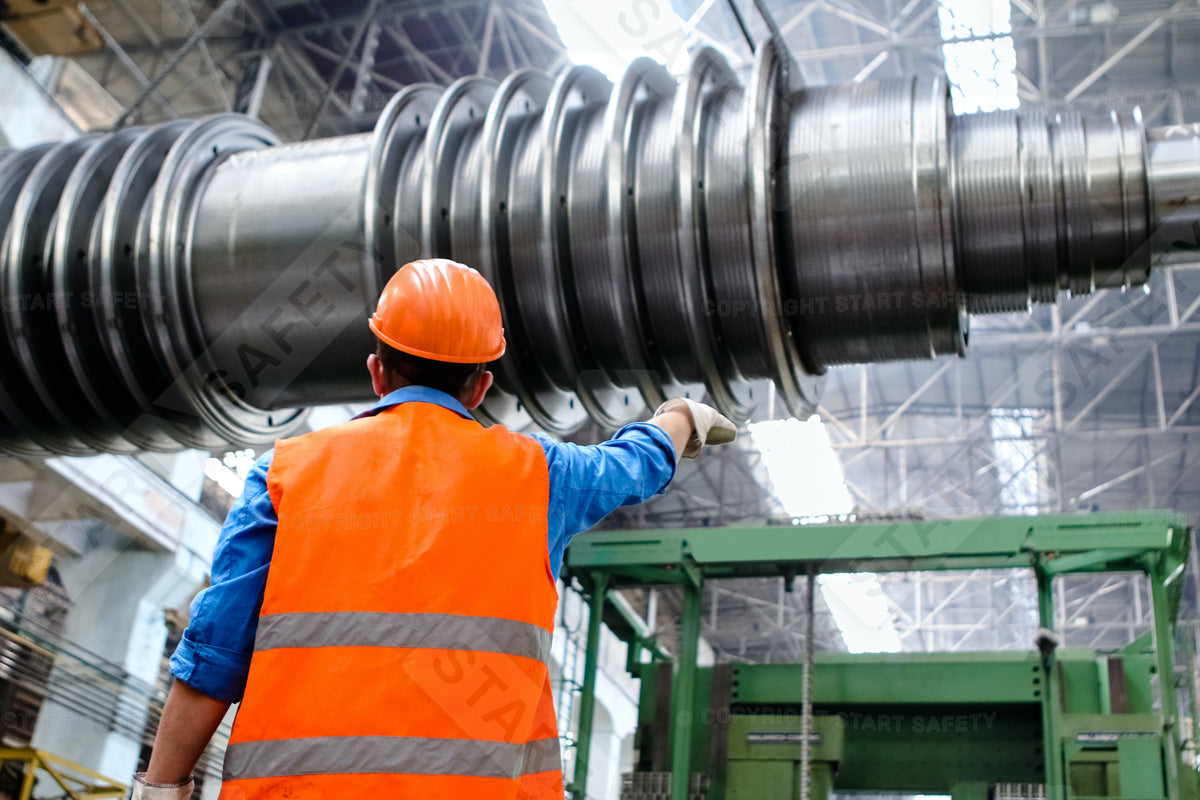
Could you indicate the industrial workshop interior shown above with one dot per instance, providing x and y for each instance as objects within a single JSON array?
[{"x": 937, "y": 260}]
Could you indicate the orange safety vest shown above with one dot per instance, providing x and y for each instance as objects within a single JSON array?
[{"x": 405, "y": 630}]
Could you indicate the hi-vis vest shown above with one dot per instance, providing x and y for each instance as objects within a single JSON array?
[{"x": 405, "y": 630}]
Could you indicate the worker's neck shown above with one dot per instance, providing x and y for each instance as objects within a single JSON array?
[
  {"x": 400, "y": 383},
  {"x": 396, "y": 383}
]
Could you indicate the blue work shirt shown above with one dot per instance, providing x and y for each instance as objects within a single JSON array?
[{"x": 586, "y": 484}]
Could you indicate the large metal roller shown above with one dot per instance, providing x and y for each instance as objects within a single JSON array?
[{"x": 195, "y": 284}]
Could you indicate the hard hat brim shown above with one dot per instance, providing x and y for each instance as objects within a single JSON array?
[{"x": 413, "y": 351}]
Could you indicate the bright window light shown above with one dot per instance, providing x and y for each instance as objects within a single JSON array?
[
  {"x": 802, "y": 466},
  {"x": 808, "y": 482},
  {"x": 982, "y": 71},
  {"x": 1016, "y": 458},
  {"x": 230, "y": 470},
  {"x": 861, "y": 612},
  {"x": 609, "y": 35}
]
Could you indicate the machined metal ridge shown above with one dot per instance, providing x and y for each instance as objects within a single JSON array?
[
  {"x": 1068, "y": 146},
  {"x": 709, "y": 75},
  {"x": 179, "y": 344},
  {"x": 404, "y": 200},
  {"x": 451, "y": 202},
  {"x": 113, "y": 276},
  {"x": 642, "y": 239},
  {"x": 465, "y": 101},
  {"x": 398, "y": 127},
  {"x": 766, "y": 126},
  {"x": 592, "y": 286},
  {"x": 1137, "y": 198},
  {"x": 542, "y": 269},
  {"x": 1037, "y": 187},
  {"x": 645, "y": 87},
  {"x": 99, "y": 406},
  {"x": 655, "y": 208},
  {"x": 549, "y": 405},
  {"x": 518, "y": 101},
  {"x": 711, "y": 84},
  {"x": 989, "y": 212},
  {"x": 26, "y": 277},
  {"x": 933, "y": 199},
  {"x": 20, "y": 434}
]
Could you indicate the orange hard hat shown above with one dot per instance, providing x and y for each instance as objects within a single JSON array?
[{"x": 439, "y": 309}]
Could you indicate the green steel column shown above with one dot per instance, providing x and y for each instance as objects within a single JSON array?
[
  {"x": 1189, "y": 649},
  {"x": 1105, "y": 685},
  {"x": 1055, "y": 784},
  {"x": 1164, "y": 653},
  {"x": 683, "y": 687},
  {"x": 587, "y": 693}
]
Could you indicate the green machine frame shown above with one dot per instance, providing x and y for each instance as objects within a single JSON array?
[{"x": 1084, "y": 724}]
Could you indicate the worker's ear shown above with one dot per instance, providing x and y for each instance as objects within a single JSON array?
[
  {"x": 379, "y": 380},
  {"x": 481, "y": 388}
]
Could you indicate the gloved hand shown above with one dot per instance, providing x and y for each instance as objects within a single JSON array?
[
  {"x": 710, "y": 426},
  {"x": 160, "y": 791}
]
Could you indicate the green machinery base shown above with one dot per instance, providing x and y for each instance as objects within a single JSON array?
[{"x": 1066, "y": 724}]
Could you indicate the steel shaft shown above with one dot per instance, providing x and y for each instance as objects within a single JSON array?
[{"x": 196, "y": 284}]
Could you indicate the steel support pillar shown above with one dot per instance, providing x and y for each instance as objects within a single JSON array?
[
  {"x": 683, "y": 690},
  {"x": 1055, "y": 782},
  {"x": 1164, "y": 652},
  {"x": 587, "y": 693}
]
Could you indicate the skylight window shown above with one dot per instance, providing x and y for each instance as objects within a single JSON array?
[
  {"x": 610, "y": 35},
  {"x": 1016, "y": 459},
  {"x": 804, "y": 469},
  {"x": 623, "y": 30},
  {"x": 981, "y": 62},
  {"x": 861, "y": 612},
  {"x": 230, "y": 470},
  {"x": 808, "y": 482}
]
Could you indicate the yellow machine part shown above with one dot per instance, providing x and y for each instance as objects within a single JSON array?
[
  {"x": 23, "y": 562},
  {"x": 51, "y": 31},
  {"x": 79, "y": 783}
]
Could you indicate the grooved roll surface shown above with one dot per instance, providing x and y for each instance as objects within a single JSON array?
[
  {"x": 662, "y": 236},
  {"x": 874, "y": 153}
]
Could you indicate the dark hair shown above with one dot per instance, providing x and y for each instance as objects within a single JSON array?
[{"x": 444, "y": 376}]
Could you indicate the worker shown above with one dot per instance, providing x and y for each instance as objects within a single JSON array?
[{"x": 384, "y": 591}]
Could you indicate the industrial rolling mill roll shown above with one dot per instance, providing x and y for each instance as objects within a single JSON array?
[{"x": 198, "y": 283}]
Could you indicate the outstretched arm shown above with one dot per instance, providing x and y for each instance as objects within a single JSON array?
[
  {"x": 692, "y": 425},
  {"x": 677, "y": 422},
  {"x": 588, "y": 483},
  {"x": 189, "y": 720}
]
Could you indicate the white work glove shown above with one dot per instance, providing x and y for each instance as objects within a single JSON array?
[
  {"x": 710, "y": 426},
  {"x": 160, "y": 791}
]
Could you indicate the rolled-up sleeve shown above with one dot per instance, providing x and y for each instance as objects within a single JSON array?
[
  {"x": 587, "y": 483},
  {"x": 214, "y": 655}
]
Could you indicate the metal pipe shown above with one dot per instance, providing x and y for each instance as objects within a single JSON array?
[
  {"x": 195, "y": 284},
  {"x": 1051, "y": 745},
  {"x": 806, "y": 684},
  {"x": 587, "y": 692},
  {"x": 683, "y": 690},
  {"x": 1173, "y": 154},
  {"x": 1164, "y": 654},
  {"x": 305, "y": 312}
]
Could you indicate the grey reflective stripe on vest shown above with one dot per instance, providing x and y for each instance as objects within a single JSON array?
[
  {"x": 397, "y": 755},
  {"x": 379, "y": 629}
]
